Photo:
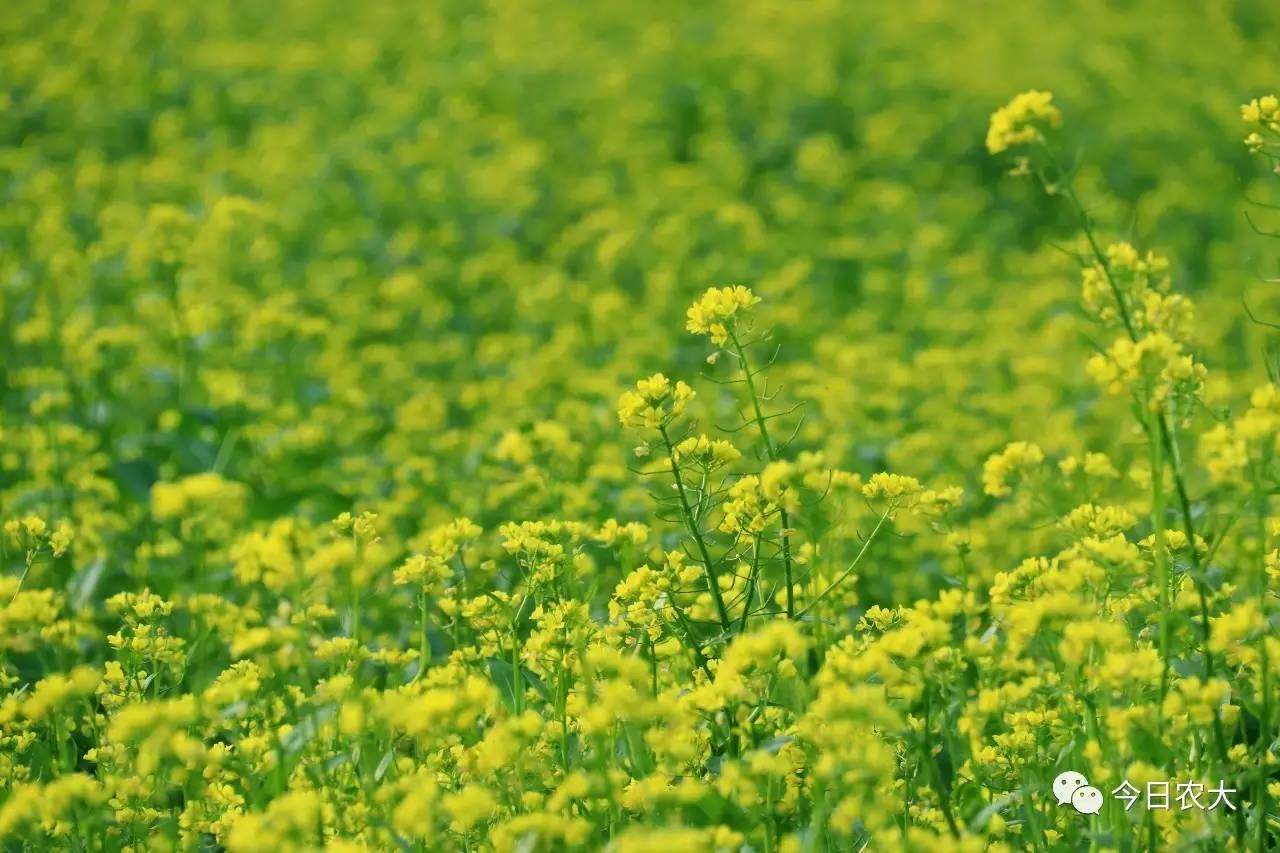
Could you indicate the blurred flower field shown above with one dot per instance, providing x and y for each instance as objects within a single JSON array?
[{"x": 545, "y": 426}]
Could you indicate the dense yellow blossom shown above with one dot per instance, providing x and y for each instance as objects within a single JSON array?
[
  {"x": 655, "y": 403},
  {"x": 1018, "y": 121},
  {"x": 334, "y": 518},
  {"x": 719, "y": 310}
]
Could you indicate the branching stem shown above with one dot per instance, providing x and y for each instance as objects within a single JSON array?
[
  {"x": 772, "y": 451},
  {"x": 691, "y": 523}
]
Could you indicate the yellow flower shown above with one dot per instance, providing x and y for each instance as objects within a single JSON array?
[
  {"x": 654, "y": 403},
  {"x": 1017, "y": 458},
  {"x": 1020, "y": 120},
  {"x": 1264, "y": 111},
  {"x": 717, "y": 311},
  {"x": 891, "y": 486},
  {"x": 710, "y": 453},
  {"x": 469, "y": 806}
]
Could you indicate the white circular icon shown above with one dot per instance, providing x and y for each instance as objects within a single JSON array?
[
  {"x": 1066, "y": 784},
  {"x": 1087, "y": 799}
]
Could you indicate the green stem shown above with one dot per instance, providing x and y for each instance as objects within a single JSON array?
[
  {"x": 751, "y": 584},
  {"x": 1264, "y": 666},
  {"x": 926, "y": 754},
  {"x": 692, "y": 524},
  {"x": 1161, "y": 556},
  {"x": 517, "y": 677},
  {"x": 424, "y": 644},
  {"x": 26, "y": 570},
  {"x": 772, "y": 451},
  {"x": 848, "y": 571},
  {"x": 354, "y": 591},
  {"x": 653, "y": 667}
]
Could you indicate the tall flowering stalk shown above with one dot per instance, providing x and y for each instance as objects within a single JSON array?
[
  {"x": 1152, "y": 362},
  {"x": 722, "y": 314}
]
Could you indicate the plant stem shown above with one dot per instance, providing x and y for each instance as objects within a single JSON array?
[
  {"x": 751, "y": 584},
  {"x": 1161, "y": 555},
  {"x": 354, "y": 590},
  {"x": 926, "y": 754},
  {"x": 772, "y": 452},
  {"x": 1264, "y": 675},
  {"x": 424, "y": 644},
  {"x": 692, "y": 524},
  {"x": 848, "y": 571}
]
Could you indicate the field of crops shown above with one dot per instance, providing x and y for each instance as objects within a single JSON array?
[{"x": 544, "y": 426}]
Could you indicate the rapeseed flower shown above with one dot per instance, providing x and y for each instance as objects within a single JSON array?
[
  {"x": 1020, "y": 121},
  {"x": 319, "y": 532}
]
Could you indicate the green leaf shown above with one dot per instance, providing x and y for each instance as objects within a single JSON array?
[
  {"x": 504, "y": 677},
  {"x": 85, "y": 583}
]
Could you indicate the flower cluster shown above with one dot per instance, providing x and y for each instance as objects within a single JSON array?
[
  {"x": 719, "y": 310},
  {"x": 654, "y": 404},
  {"x": 1264, "y": 114},
  {"x": 1021, "y": 120}
]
